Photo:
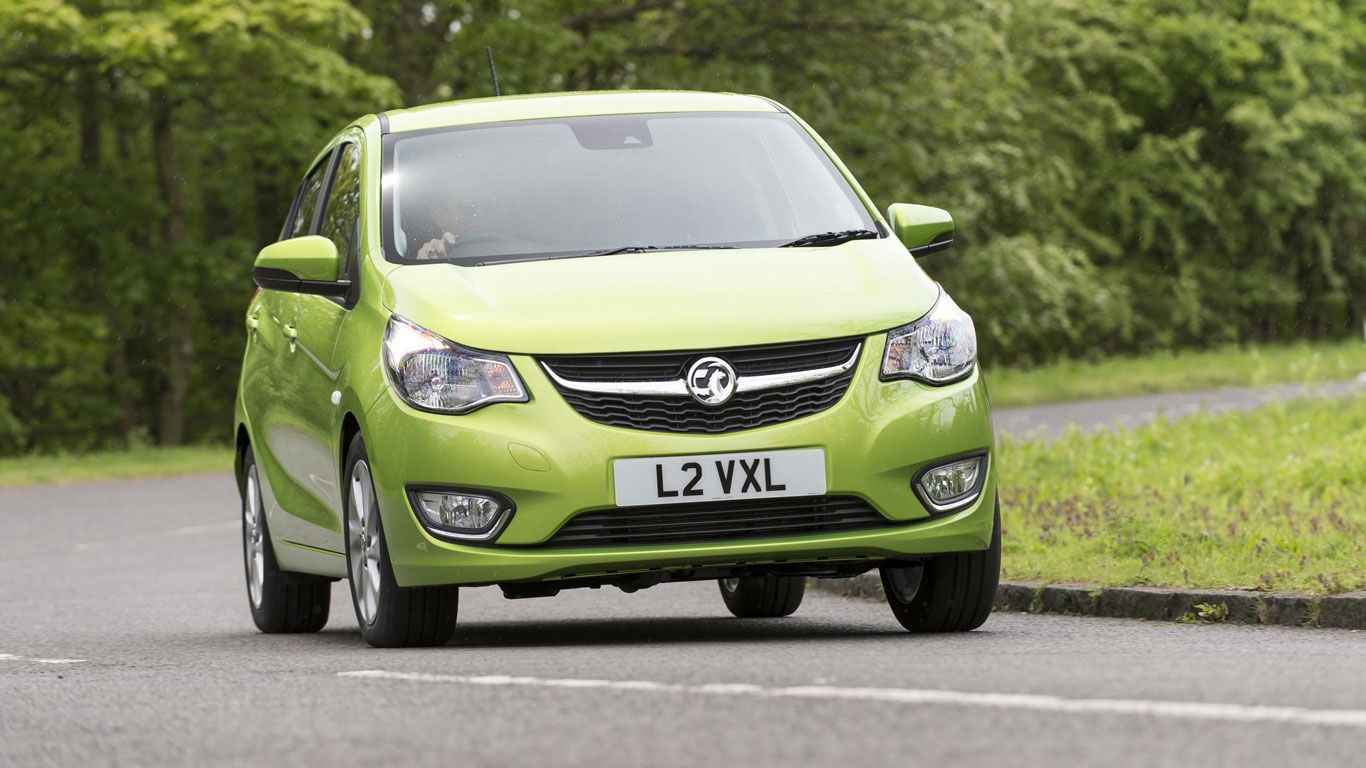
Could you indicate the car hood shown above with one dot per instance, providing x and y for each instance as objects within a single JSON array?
[{"x": 666, "y": 300}]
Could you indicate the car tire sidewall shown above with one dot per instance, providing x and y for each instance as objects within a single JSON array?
[
  {"x": 355, "y": 454},
  {"x": 953, "y": 592},
  {"x": 270, "y": 615},
  {"x": 404, "y": 616}
]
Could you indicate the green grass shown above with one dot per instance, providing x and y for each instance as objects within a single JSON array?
[
  {"x": 1273, "y": 499},
  {"x": 1304, "y": 362},
  {"x": 137, "y": 462}
]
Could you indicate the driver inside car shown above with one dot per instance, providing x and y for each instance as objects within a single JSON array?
[{"x": 453, "y": 219}]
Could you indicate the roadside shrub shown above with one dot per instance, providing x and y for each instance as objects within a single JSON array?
[{"x": 1034, "y": 302}]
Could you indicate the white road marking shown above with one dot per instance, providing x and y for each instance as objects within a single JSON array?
[
  {"x": 16, "y": 657},
  {"x": 184, "y": 531},
  {"x": 1181, "y": 710}
]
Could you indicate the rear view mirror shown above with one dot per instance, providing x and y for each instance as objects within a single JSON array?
[
  {"x": 922, "y": 229},
  {"x": 300, "y": 265}
]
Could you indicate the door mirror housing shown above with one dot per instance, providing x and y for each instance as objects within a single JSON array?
[
  {"x": 301, "y": 265},
  {"x": 922, "y": 229}
]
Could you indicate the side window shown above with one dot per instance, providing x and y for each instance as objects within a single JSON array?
[
  {"x": 309, "y": 197},
  {"x": 343, "y": 207}
]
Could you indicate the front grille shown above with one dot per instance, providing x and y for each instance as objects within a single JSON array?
[
  {"x": 745, "y": 410},
  {"x": 717, "y": 521},
  {"x": 660, "y": 366}
]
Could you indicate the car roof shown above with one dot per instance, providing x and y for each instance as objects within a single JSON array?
[{"x": 550, "y": 105}]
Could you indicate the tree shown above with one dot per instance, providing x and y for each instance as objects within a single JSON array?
[{"x": 180, "y": 92}]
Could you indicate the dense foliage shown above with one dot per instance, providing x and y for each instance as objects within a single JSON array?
[{"x": 1126, "y": 174}]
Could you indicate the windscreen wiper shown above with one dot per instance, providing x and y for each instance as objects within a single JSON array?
[
  {"x": 608, "y": 252},
  {"x": 831, "y": 238}
]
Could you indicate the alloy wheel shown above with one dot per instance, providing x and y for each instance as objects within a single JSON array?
[
  {"x": 363, "y": 542},
  {"x": 253, "y": 539}
]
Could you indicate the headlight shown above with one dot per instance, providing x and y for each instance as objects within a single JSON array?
[
  {"x": 434, "y": 374},
  {"x": 939, "y": 348}
]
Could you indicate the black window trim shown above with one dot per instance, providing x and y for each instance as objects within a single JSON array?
[
  {"x": 334, "y": 158},
  {"x": 299, "y": 196}
]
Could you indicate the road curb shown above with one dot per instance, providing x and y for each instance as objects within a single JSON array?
[{"x": 1347, "y": 611}]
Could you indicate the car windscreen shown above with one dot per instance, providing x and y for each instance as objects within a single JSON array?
[{"x": 495, "y": 192}]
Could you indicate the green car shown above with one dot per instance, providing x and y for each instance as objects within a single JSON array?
[{"x": 610, "y": 339}]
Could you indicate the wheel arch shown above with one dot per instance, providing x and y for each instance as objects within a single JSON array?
[
  {"x": 350, "y": 427},
  {"x": 239, "y": 459}
]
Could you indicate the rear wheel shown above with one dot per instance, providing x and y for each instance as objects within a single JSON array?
[
  {"x": 946, "y": 593},
  {"x": 390, "y": 616},
  {"x": 279, "y": 602},
  {"x": 763, "y": 597}
]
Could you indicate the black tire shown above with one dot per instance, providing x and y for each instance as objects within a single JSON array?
[
  {"x": 288, "y": 602},
  {"x": 404, "y": 617},
  {"x": 763, "y": 597},
  {"x": 946, "y": 593}
]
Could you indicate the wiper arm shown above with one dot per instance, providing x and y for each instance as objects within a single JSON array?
[
  {"x": 608, "y": 252},
  {"x": 640, "y": 249},
  {"x": 831, "y": 238}
]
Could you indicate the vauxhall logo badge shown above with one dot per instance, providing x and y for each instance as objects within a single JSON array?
[{"x": 711, "y": 381}]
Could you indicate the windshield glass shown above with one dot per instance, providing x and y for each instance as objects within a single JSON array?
[{"x": 542, "y": 188}]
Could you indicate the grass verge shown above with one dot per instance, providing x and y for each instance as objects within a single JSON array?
[
  {"x": 137, "y": 462},
  {"x": 1304, "y": 362},
  {"x": 1272, "y": 499}
]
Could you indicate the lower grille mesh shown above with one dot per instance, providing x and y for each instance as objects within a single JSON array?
[
  {"x": 747, "y": 410},
  {"x": 717, "y": 521}
]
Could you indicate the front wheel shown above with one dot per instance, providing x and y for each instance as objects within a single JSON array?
[
  {"x": 946, "y": 593},
  {"x": 390, "y": 616},
  {"x": 763, "y": 597}
]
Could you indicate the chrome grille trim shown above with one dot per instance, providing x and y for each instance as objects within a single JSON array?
[
  {"x": 679, "y": 388},
  {"x": 649, "y": 391}
]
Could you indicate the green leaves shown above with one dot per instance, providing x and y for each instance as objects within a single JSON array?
[
  {"x": 1125, "y": 174},
  {"x": 159, "y": 143}
]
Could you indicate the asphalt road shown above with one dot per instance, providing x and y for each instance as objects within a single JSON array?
[
  {"x": 125, "y": 640},
  {"x": 1050, "y": 421}
]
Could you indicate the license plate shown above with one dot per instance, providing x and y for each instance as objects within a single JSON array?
[{"x": 717, "y": 476}]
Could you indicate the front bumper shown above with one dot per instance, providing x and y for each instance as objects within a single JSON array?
[{"x": 554, "y": 464}]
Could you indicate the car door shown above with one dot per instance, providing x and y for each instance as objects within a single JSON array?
[
  {"x": 288, "y": 432},
  {"x": 315, "y": 370},
  {"x": 265, "y": 355}
]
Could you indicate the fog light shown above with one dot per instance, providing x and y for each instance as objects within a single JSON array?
[
  {"x": 461, "y": 515},
  {"x": 953, "y": 485}
]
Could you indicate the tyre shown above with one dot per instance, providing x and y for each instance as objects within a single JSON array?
[
  {"x": 280, "y": 602},
  {"x": 763, "y": 597},
  {"x": 390, "y": 616},
  {"x": 946, "y": 593}
]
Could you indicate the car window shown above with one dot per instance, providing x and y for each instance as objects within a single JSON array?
[
  {"x": 309, "y": 196},
  {"x": 343, "y": 207},
  {"x": 502, "y": 191}
]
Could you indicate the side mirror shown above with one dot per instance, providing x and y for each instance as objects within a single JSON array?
[
  {"x": 922, "y": 229},
  {"x": 300, "y": 265}
]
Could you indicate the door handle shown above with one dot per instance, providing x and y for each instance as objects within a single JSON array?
[
  {"x": 292, "y": 334},
  {"x": 253, "y": 321}
]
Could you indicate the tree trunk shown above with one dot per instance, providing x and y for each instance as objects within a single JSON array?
[
  {"x": 87, "y": 87},
  {"x": 130, "y": 324},
  {"x": 179, "y": 332},
  {"x": 92, "y": 98},
  {"x": 270, "y": 212}
]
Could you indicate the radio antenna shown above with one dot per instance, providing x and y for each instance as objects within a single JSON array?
[{"x": 492, "y": 72}]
